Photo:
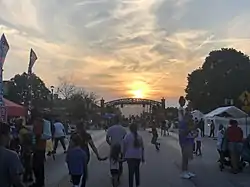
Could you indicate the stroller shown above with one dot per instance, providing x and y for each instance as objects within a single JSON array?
[
  {"x": 245, "y": 154},
  {"x": 244, "y": 150}
]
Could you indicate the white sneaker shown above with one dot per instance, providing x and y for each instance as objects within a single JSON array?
[
  {"x": 191, "y": 174},
  {"x": 185, "y": 175}
]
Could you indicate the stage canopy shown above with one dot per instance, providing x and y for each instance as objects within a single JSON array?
[{"x": 14, "y": 110}]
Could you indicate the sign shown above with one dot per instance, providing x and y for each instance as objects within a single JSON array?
[
  {"x": 245, "y": 99},
  {"x": 3, "y": 114}
]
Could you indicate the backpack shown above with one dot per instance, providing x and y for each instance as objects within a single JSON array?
[{"x": 46, "y": 130}]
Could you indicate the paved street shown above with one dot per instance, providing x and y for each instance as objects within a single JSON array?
[
  {"x": 162, "y": 168},
  {"x": 56, "y": 170}
]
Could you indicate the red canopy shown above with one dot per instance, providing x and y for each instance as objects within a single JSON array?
[{"x": 13, "y": 109}]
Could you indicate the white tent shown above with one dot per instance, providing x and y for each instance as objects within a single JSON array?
[
  {"x": 197, "y": 114},
  {"x": 229, "y": 111},
  {"x": 222, "y": 115}
]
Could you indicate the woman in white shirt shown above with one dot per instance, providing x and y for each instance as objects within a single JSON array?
[
  {"x": 220, "y": 136},
  {"x": 198, "y": 143}
]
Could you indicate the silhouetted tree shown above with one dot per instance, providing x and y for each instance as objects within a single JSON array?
[
  {"x": 18, "y": 90},
  {"x": 224, "y": 75}
]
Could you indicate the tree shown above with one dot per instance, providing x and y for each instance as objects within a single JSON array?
[
  {"x": 171, "y": 113},
  {"x": 66, "y": 88},
  {"x": 18, "y": 90},
  {"x": 224, "y": 75}
]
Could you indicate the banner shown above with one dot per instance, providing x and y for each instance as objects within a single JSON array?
[
  {"x": 4, "y": 48},
  {"x": 33, "y": 59}
]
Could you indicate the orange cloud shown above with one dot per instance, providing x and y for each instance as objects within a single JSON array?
[{"x": 120, "y": 48}]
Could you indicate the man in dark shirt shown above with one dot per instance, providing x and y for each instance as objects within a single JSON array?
[
  {"x": 234, "y": 136},
  {"x": 38, "y": 152},
  {"x": 11, "y": 167}
]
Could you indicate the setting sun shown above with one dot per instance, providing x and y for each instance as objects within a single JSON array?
[
  {"x": 138, "y": 94},
  {"x": 139, "y": 89}
]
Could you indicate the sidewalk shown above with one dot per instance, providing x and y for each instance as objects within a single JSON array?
[{"x": 56, "y": 170}]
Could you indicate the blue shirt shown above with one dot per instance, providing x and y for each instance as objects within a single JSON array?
[
  {"x": 76, "y": 160},
  {"x": 10, "y": 166},
  {"x": 184, "y": 139}
]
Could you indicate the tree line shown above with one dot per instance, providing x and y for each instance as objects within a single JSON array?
[
  {"x": 72, "y": 100},
  {"x": 223, "y": 76}
]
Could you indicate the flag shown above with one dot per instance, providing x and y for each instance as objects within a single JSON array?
[
  {"x": 33, "y": 59},
  {"x": 4, "y": 48}
]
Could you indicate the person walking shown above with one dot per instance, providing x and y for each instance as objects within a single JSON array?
[
  {"x": 198, "y": 141},
  {"x": 25, "y": 136},
  {"x": 234, "y": 136},
  {"x": 115, "y": 159},
  {"x": 163, "y": 128},
  {"x": 86, "y": 141},
  {"x": 115, "y": 136},
  {"x": 212, "y": 129},
  {"x": 76, "y": 160},
  {"x": 187, "y": 133},
  {"x": 220, "y": 137},
  {"x": 39, "y": 149},
  {"x": 59, "y": 135},
  {"x": 133, "y": 149},
  {"x": 155, "y": 137},
  {"x": 11, "y": 168},
  {"x": 202, "y": 127}
]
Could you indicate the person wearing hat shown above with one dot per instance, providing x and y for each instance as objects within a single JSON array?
[{"x": 11, "y": 167}]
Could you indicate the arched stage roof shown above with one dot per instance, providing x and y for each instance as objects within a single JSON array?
[{"x": 132, "y": 101}]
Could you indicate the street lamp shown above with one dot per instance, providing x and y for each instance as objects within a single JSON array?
[{"x": 52, "y": 95}]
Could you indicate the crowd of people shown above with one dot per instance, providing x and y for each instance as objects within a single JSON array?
[{"x": 30, "y": 146}]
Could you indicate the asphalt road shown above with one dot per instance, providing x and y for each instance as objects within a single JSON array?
[
  {"x": 56, "y": 170},
  {"x": 162, "y": 169}
]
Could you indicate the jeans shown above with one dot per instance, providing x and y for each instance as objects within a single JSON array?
[
  {"x": 38, "y": 167},
  {"x": 61, "y": 139},
  {"x": 134, "y": 170},
  {"x": 198, "y": 147}
]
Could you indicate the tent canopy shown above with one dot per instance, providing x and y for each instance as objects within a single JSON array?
[
  {"x": 13, "y": 109},
  {"x": 197, "y": 114},
  {"x": 229, "y": 111}
]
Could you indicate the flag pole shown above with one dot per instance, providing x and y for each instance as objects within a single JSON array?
[
  {"x": 32, "y": 61},
  {"x": 4, "y": 48}
]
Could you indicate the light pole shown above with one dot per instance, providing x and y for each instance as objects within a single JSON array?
[{"x": 52, "y": 96}]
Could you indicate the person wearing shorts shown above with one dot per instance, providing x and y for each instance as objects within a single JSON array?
[{"x": 186, "y": 141}]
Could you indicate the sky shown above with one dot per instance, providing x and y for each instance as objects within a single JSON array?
[{"x": 121, "y": 48}]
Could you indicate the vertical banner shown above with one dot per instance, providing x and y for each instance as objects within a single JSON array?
[
  {"x": 4, "y": 48},
  {"x": 32, "y": 61}
]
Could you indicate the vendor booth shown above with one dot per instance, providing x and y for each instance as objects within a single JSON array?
[
  {"x": 222, "y": 115},
  {"x": 197, "y": 114},
  {"x": 14, "y": 110}
]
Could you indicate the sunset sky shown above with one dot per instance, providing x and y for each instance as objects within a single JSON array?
[{"x": 121, "y": 48}]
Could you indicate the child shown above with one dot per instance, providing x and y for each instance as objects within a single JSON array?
[
  {"x": 154, "y": 138},
  {"x": 76, "y": 160},
  {"x": 115, "y": 159},
  {"x": 198, "y": 143}
]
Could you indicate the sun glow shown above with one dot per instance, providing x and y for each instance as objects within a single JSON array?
[
  {"x": 138, "y": 94},
  {"x": 139, "y": 89}
]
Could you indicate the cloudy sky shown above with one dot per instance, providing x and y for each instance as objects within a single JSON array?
[{"x": 121, "y": 48}]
